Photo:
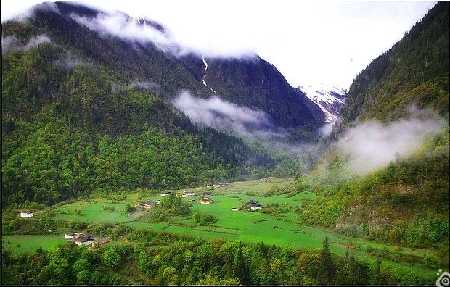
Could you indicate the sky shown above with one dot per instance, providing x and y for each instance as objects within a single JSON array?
[{"x": 310, "y": 42}]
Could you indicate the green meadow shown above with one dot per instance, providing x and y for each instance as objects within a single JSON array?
[{"x": 98, "y": 210}]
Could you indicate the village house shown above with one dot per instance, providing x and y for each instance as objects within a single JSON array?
[
  {"x": 219, "y": 184},
  {"x": 26, "y": 213},
  {"x": 166, "y": 193},
  {"x": 254, "y": 205},
  {"x": 187, "y": 193},
  {"x": 72, "y": 235},
  {"x": 69, "y": 235},
  {"x": 146, "y": 204},
  {"x": 84, "y": 240},
  {"x": 79, "y": 239},
  {"x": 205, "y": 200}
]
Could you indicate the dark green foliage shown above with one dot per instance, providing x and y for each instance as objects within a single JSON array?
[
  {"x": 203, "y": 219},
  {"x": 327, "y": 265},
  {"x": 170, "y": 206}
]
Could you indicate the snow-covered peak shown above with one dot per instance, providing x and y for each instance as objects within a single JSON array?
[
  {"x": 324, "y": 93},
  {"x": 330, "y": 98}
]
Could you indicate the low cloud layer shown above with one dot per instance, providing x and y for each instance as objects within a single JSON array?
[
  {"x": 12, "y": 43},
  {"x": 225, "y": 116},
  {"x": 70, "y": 61},
  {"x": 372, "y": 145},
  {"x": 254, "y": 126}
]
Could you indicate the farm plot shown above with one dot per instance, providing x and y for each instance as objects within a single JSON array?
[{"x": 101, "y": 210}]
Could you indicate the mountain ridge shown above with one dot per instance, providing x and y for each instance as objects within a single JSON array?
[{"x": 120, "y": 54}]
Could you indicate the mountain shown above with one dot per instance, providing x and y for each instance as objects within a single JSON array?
[
  {"x": 89, "y": 112},
  {"x": 249, "y": 81},
  {"x": 330, "y": 99}
]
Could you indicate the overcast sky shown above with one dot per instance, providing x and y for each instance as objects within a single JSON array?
[{"x": 310, "y": 42}]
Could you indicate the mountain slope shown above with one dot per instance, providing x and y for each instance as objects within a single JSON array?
[
  {"x": 383, "y": 173},
  {"x": 255, "y": 83},
  {"x": 414, "y": 71}
]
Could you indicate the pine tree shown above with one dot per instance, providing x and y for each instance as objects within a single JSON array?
[{"x": 327, "y": 264}]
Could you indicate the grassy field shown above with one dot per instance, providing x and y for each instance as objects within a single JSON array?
[
  {"x": 24, "y": 243},
  {"x": 281, "y": 228}
]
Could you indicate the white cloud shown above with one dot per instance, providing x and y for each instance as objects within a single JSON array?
[
  {"x": 12, "y": 43},
  {"x": 252, "y": 125},
  {"x": 121, "y": 26},
  {"x": 373, "y": 145},
  {"x": 217, "y": 113}
]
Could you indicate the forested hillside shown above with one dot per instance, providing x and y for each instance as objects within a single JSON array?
[
  {"x": 414, "y": 71},
  {"x": 67, "y": 132}
]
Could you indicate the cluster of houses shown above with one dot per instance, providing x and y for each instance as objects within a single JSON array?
[{"x": 205, "y": 198}]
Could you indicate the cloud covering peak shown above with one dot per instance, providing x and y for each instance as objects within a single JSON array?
[{"x": 123, "y": 26}]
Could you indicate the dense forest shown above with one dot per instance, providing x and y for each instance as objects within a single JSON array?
[{"x": 86, "y": 116}]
